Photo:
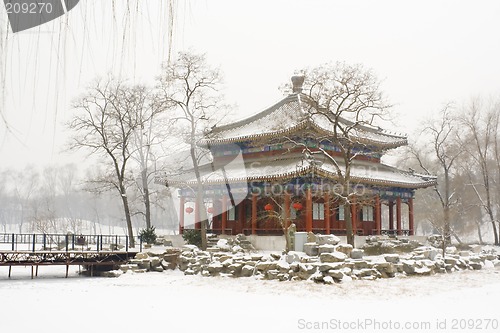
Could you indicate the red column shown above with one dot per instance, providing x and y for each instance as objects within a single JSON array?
[
  {"x": 287, "y": 209},
  {"x": 309, "y": 212},
  {"x": 378, "y": 217},
  {"x": 254, "y": 214},
  {"x": 327, "y": 213},
  {"x": 410, "y": 217},
  {"x": 224, "y": 214},
  {"x": 182, "y": 202},
  {"x": 398, "y": 215},
  {"x": 391, "y": 215},
  {"x": 334, "y": 217},
  {"x": 242, "y": 209}
]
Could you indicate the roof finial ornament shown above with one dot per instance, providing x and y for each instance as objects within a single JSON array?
[{"x": 297, "y": 82}]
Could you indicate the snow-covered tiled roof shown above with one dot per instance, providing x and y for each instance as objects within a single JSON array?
[
  {"x": 286, "y": 167},
  {"x": 290, "y": 115}
]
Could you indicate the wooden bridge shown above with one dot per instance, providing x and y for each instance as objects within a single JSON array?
[{"x": 103, "y": 252}]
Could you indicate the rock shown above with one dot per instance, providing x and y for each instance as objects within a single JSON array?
[
  {"x": 265, "y": 265},
  {"x": 275, "y": 256},
  {"x": 223, "y": 245},
  {"x": 125, "y": 268},
  {"x": 223, "y": 256},
  {"x": 141, "y": 255},
  {"x": 317, "y": 277},
  {"x": 331, "y": 266},
  {"x": 464, "y": 253},
  {"x": 488, "y": 264},
  {"x": 305, "y": 271},
  {"x": 476, "y": 248},
  {"x": 311, "y": 249},
  {"x": 256, "y": 257},
  {"x": 428, "y": 252},
  {"x": 451, "y": 250},
  {"x": 372, "y": 239},
  {"x": 237, "y": 249},
  {"x": 386, "y": 269},
  {"x": 392, "y": 258},
  {"x": 491, "y": 256},
  {"x": 272, "y": 274},
  {"x": 359, "y": 264},
  {"x": 111, "y": 274},
  {"x": 450, "y": 261},
  {"x": 327, "y": 239},
  {"x": 328, "y": 279},
  {"x": 213, "y": 249},
  {"x": 215, "y": 267},
  {"x": 357, "y": 253},
  {"x": 311, "y": 237},
  {"x": 344, "y": 248},
  {"x": 167, "y": 265},
  {"x": 157, "y": 269},
  {"x": 282, "y": 266},
  {"x": 189, "y": 247},
  {"x": 476, "y": 258},
  {"x": 366, "y": 272},
  {"x": 235, "y": 268},
  {"x": 155, "y": 262},
  {"x": 292, "y": 257},
  {"x": 172, "y": 258},
  {"x": 247, "y": 271},
  {"x": 227, "y": 262},
  {"x": 424, "y": 270},
  {"x": 332, "y": 257},
  {"x": 408, "y": 266},
  {"x": 326, "y": 248},
  {"x": 145, "y": 264},
  {"x": 476, "y": 265},
  {"x": 140, "y": 270},
  {"x": 336, "y": 274}
]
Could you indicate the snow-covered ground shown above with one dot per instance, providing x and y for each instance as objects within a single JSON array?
[{"x": 171, "y": 302}]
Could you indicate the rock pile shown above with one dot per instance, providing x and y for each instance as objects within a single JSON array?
[
  {"x": 240, "y": 243},
  {"x": 152, "y": 262},
  {"x": 334, "y": 263},
  {"x": 325, "y": 260},
  {"x": 377, "y": 245}
]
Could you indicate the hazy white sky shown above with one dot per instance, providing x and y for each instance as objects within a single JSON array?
[{"x": 427, "y": 53}]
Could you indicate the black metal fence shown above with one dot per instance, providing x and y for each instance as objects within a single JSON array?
[{"x": 67, "y": 242}]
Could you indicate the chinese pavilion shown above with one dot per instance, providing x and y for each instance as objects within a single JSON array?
[{"x": 274, "y": 174}]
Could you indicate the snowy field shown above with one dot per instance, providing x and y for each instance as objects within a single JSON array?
[{"x": 171, "y": 302}]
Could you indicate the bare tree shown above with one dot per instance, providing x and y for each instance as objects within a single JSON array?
[
  {"x": 479, "y": 142},
  {"x": 349, "y": 99},
  {"x": 146, "y": 138},
  {"x": 442, "y": 150},
  {"x": 105, "y": 125},
  {"x": 26, "y": 185},
  {"x": 190, "y": 88}
]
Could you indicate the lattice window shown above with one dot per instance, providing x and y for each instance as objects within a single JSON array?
[
  {"x": 318, "y": 211},
  {"x": 367, "y": 213}
]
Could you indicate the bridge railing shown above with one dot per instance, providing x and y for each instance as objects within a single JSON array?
[{"x": 66, "y": 242}]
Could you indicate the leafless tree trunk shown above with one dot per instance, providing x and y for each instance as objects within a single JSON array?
[
  {"x": 105, "y": 125},
  {"x": 479, "y": 144},
  {"x": 348, "y": 97},
  {"x": 445, "y": 152},
  {"x": 190, "y": 89}
]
